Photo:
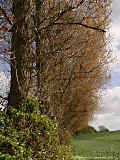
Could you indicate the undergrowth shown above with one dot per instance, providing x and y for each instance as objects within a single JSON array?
[{"x": 26, "y": 134}]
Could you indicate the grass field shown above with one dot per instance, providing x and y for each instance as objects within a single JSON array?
[{"x": 97, "y": 146}]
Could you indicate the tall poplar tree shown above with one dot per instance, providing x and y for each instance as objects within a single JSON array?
[{"x": 58, "y": 55}]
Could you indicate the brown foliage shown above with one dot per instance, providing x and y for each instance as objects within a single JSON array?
[{"x": 73, "y": 58}]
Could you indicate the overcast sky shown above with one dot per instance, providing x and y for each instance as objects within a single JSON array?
[{"x": 110, "y": 112}]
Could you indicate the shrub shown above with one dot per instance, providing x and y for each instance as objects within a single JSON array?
[
  {"x": 27, "y": 135},
  {"x": 87, "y": 129}
]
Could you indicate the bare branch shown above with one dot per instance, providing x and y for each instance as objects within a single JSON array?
[
  {"x": 4, "y": 98},
  {"x": 78, "y": 23},
  {"x": 5, "y": 15}
]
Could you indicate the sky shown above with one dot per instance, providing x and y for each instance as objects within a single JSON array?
[{"x": 108, "y": 113}]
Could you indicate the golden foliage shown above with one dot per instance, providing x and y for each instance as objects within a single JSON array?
[{"x": 74, "y": 57}]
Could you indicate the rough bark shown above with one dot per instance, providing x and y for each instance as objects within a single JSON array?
[{"x": 22, "y": 57}]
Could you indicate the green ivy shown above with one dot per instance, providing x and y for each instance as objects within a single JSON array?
[{"x": 26, "y": 134}]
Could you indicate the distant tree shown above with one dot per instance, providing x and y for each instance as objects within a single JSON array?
[
  {"x": 102, "y": 128},
  {"x": 87, "y": 129}
]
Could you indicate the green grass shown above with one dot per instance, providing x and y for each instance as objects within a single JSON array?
[{"x": 97, "y": 146}]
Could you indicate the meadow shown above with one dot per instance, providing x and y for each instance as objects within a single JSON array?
[{"x": 101, "y": 145}]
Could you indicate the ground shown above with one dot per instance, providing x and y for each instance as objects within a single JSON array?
[{"x": 97, "y": 146}]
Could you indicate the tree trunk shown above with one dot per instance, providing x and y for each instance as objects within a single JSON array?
[{"x": 22, "y": 57}]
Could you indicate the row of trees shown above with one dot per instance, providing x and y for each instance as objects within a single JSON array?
[{"x": 59, "y": 55}]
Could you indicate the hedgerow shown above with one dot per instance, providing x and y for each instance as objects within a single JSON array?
[{"x": 26, "y": 134}]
